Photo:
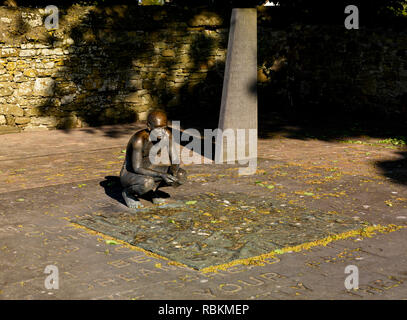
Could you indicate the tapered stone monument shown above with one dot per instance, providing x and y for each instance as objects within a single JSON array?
[{"x": 239, "y": 95}]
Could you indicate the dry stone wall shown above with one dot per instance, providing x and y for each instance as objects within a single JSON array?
[
  {"x": 329, "y": 71},
  {"x": 105, "y": 65},
  {"x": 113, "y": 64}
]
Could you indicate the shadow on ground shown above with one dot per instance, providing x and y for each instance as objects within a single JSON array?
[
  {"x": 113, "y": 188},
  {"x": 396, "y": 170},
  {"x": 329, "y": 128}
]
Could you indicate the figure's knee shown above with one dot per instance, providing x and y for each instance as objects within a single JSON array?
[
  {"x": 145, "y": 185},
  {"x": 125, "y": 178},
  {"x": 148, "y": 183}
]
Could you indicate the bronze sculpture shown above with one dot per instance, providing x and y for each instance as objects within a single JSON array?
[{"x": 138, "y": 175}]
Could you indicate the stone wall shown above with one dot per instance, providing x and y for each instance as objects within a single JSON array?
[
  {"x": 328, "y": 71},
  {"x": 113, "y": 64},
  {"x": 107, "y": 65}
]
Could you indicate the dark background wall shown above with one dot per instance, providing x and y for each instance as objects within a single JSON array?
[{"x": 112, "y": 64}]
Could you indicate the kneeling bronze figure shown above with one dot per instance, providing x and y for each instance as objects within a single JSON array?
[{"x": 138, "y": 175}]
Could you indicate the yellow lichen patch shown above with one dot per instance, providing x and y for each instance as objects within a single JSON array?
[
  {"x": 199, "y": 175},
  {"x": 260, "y": 260},
  {"x": 314, "y": 182},
  {"x": 332, "y": 212}
]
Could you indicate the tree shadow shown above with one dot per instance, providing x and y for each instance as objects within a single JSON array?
[
  {"x": 127, "y": 59},
  {"x": 112, "y": 131},
  {"x": 396, "y": 170},
  {"x": 320, "y": 80}
]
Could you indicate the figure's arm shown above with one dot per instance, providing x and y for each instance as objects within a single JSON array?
[
  {"x": 137, "y": 163},
  {"x": 137, "y": 160}
]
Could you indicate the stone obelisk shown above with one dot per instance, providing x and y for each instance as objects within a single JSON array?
[{"x": 239, "y": 95}]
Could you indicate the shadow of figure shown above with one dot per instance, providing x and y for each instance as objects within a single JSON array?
[
  {"x": 396, "y": 170},
  {"x": 113, "y": 188}
]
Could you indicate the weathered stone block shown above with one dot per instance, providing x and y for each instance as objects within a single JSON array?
[
  {"x": 8, "y": 52},
  {"x": 11, "y": 66},
  {"x": 134, "y": 84},
  {"x": 45, "y": 72},
  {"x": 48, "y": 121},
  {"x": 22, "y": 120},
  {"x": 6, "y": 77},
  {"x": 44, "y": 87},
  {"x": 46, "y": 65},
  {"x": 142, "y": 116},
  {"x": 31, "y": 73},
  {"x": 168, "y": 53},
  {"x": 27, "y": 46},
  {"x": 34, "y": 127},
  {"x": 32, "y": 19},
  {"x": 11, "y": 109},
  {"x": 206, "y": 18},
  {"x": 27, "y": 53},
  {"x": 50, "y": 52},
  {"x": 25, "y": 89},
  {"x": 18, "y": 77},
  {"x": 137, "y": 107},
  {"x": 6, "y": 89},
  {"x": 67, "y": 99},
  {"x": 35, "y": 111}
]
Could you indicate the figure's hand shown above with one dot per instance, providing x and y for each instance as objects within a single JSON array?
[{"x": 168, "y": 178}]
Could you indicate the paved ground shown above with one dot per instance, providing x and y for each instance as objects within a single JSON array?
[{"x": 49, "y": 179}]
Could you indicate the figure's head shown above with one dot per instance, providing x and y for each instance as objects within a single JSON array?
[
  {"x": 157, "y": 124},
  {"x": 156, "y": 119}
]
